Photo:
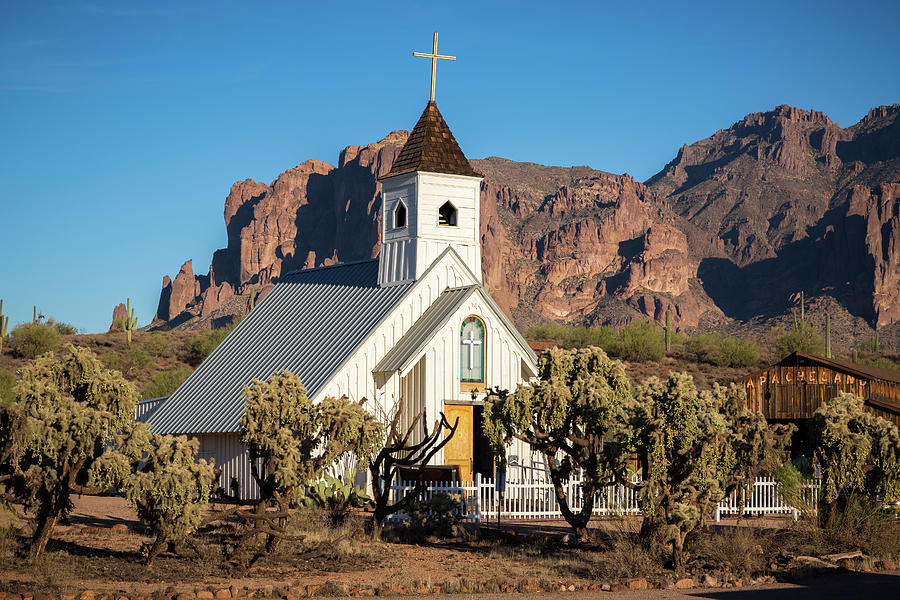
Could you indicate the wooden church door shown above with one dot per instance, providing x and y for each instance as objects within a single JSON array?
[{"x": 459, "y": 451}]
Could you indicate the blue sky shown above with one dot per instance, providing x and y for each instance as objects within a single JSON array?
[{"x": 124, "y": 124}]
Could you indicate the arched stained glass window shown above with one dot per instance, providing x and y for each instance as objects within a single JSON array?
[{"x": 471, "y": 350}]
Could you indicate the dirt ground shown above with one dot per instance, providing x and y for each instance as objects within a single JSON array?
[{"x": 94, "y": 551}]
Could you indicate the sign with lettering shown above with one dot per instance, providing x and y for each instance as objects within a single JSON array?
[{"x": 801, "y": 376}]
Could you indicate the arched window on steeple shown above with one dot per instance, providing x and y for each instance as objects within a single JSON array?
[
  {"x": 471, "y": 353},
  {"x": 400, "y": 215},
  {"x": 447, "y": 214}
]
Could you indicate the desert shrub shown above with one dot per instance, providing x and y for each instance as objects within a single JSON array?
[
  {"x": 62, "y": 327},
  {"x": 737, "y": 551},
  {"x": 574, "y": 336},
  {"x": 803, "y": 337},
  {"x": 790, "y": 483},
  {"x": 548, "y": 331},
  {"x": 7, "y": 386},
  {"x": 336, "y": 497},
  {"x": 626, "y": 558},
  {"x": 129, "y": 361},
  {"x": 30, "y": 340},
  {"x": 158, "y": 345},
  {"x": 862, "y": 524},
  {"x": 437, "y": 516},
  {"x": 881, "y": 362},
  {"x": 202, "y": 346},
  {"x": 639, "y": 341},
  {"x": 723, "y": 350},
  {"x": 165, "y": 382}
]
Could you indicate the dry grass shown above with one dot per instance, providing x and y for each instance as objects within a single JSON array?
[
  {"x": 734, "y": 552},
  {"x": 618, "y": 556}
]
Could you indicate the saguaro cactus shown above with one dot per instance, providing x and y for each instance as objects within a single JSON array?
[
  {"x": 252, "y": 298},
  {"x": 668, "y": 332},
  {"x": 34, "y": 318},
  {"x": 802, "y": 307},
  {"x": 827, "y": 335},
  {"x": 4, "y": 324},
  {"x": 130, "y": 321}
]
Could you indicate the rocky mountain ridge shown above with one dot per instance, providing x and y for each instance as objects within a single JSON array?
[{"x": 734, "y": 225}]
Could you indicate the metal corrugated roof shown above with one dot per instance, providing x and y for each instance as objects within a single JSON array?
[
  {"x": 309, "y": 324},
  {"x": 433, "y": 318}
]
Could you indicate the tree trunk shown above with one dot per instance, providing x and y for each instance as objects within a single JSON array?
[
  {"x": 48, "y": 515},
  {"x": 155, "y": 549},
  {"x": 678, "y": 551},
  {"x": 649, "y": 533}
]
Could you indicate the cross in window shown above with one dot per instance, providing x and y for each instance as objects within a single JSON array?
[{"x": 471, "y": 343}]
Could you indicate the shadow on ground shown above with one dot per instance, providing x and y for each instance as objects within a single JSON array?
[{"x": 827, "y": 587}]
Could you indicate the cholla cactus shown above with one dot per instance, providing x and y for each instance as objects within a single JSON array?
[
  {"x": 695, "y": 448},
  {"x": 858, "y": 451},
  {"x": 129, "y": 322},
  {"x": 575, "y": 416},
  {"x": 170, "y": 490},
  {"x": 68, "y": 414}
]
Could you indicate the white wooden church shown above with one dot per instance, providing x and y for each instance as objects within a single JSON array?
[{"x": 414, "y": 325}]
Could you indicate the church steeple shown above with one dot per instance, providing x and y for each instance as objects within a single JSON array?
[
  {"x": 429, "y": 200},
  {"x": 431, "y": 147}
]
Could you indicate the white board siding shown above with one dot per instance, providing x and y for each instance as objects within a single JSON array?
[
  {"x": 407, "y": 252},
  {"x": 448, "y": 272},
  {"x": 233, "y": 459},
  {"x": 432, "y": 379}
]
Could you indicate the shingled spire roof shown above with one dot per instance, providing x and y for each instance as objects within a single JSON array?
[{"x": 431, "y": 147}]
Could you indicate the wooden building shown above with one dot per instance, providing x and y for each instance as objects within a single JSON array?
[{"x": 792, "y": 389}]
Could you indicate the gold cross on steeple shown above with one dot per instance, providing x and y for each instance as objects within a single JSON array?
[{"x": 433, "y": 56}]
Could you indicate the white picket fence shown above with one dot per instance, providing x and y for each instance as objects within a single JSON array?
[{"x": 536, "y": 499}]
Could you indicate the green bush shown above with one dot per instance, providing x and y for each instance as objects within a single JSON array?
[
  {"x": 804, "y": 337},
  {"x": 790, "y": 484},
  {"x": 31, "y": 340},
  {"x": 158, "y": 345},
  {"x": 7, "y": 386},
  {"x": 881, "y": 362},
  {"x": 62, "y": 327},
  {"x": 165, "y": 382},
  {"x": 574, "y": 336},
  {"x": 640, "y": 341},
  {"x": 129, "y": 361},
  {"x": 723, "y": 350},
  {"x": 202, "y": 346},
  {"x": 437, "y": 516},
  {"x": 637, "y": 341}
]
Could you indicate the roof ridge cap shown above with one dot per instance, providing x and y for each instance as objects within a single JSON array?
[{"x": 334, "y": 266}]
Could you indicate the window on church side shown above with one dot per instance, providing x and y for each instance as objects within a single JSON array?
[
  {"x": 400, "y": 216},
  {"x": 471, "y": 350},
  {"x": 447, "y": 214}
]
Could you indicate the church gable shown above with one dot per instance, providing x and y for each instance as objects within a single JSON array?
[{"x": 354, "y": 376}]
